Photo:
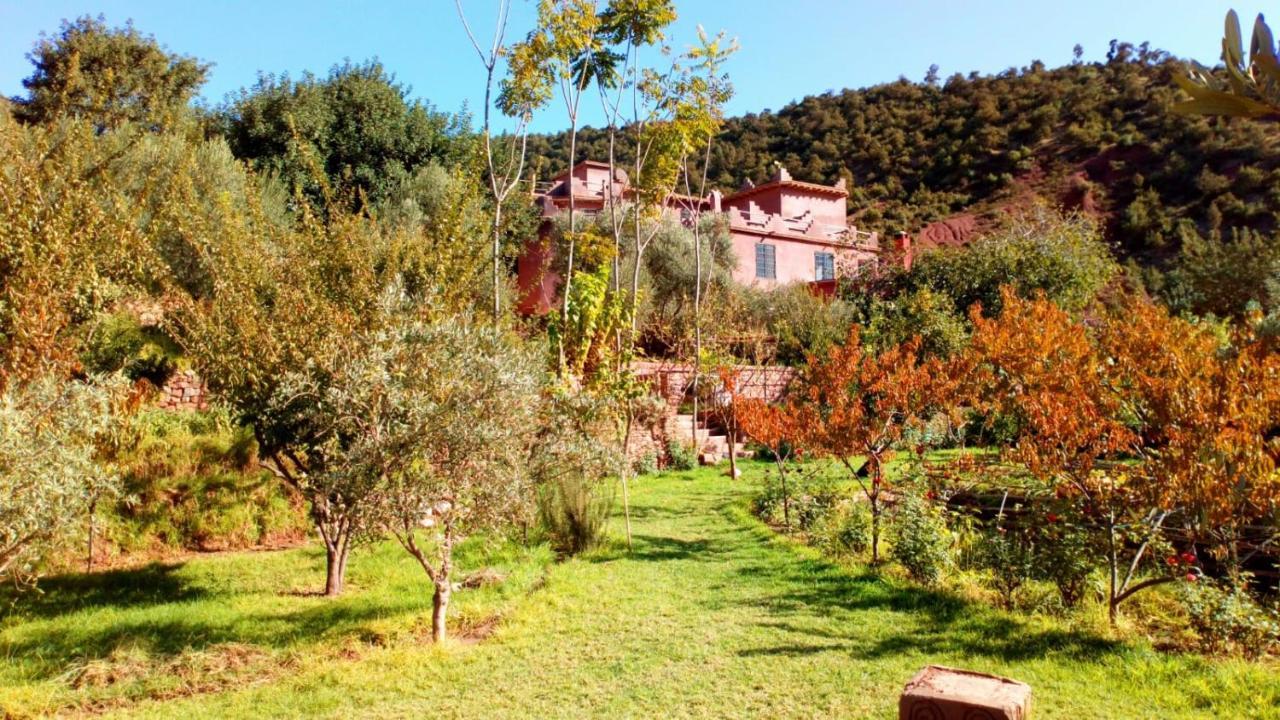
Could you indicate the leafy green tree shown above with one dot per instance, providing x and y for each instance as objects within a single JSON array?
[
  {"x": 523, "y": 91},
  {"x": 297, "y": 299},
  {"x": 1061, "y": 256},
  {"x": 108, "y": 76},
  {"x": 51, "y": 431},
  {"x": 924, "y": 313},
  {"x": 1223, "y": 277},
  {"x": 440, "y": 420},
  {"x": 630, "y": 26},
  {"x": 800, "y": 323},
  {"x": 354, "y": 129},
  {"x": 68, "y": 243}
]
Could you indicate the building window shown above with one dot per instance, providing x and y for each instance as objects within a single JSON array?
[
  {"x": 824, "y": 266},
  {"x": 766, "y": 266}
]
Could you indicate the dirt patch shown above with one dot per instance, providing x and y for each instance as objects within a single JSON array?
[
  {"x": 126, "y": 676},
  {"x": 953, "y": 232},
  {"x": 472, "y": 632}
]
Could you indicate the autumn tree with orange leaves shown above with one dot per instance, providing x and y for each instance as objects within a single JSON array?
[
  {"x": 856, "y": 404},
  {"x": 1209, "y": 412},
  {"x": 774, "y": 427},
  {"x": 1145, "y": 420},
  {"x": 1036, "y": 365}
]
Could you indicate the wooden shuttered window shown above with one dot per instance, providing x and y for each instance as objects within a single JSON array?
[
  {"x": 766, "y": 261},
  {"x": 824, "y": 266}
]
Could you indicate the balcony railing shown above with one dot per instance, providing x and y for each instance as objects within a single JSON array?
[
  {"x": 599, "y": 188},
  {"x": 803, "y": 225}
]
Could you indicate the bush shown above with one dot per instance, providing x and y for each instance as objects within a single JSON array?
[
  {"x": 765, "y": 453},
  {"x": 845, "y": 530},
  {"x": 681, "y": 456},
  {"x": 801, "y": 323},
  {"x": 1066, "y": 555},
  {"x": 815, "y": 501},
  {"x": 646, "y": 464},
  {"x": 809, "y": 500},
  {"x": 121, "y": 344},
  {"x": 192, "y": 482},
  {"x": 921, "y": 542},
  {"x": 767, "y": 503},
  {"x": 1229, "y": 620},
  {"x": 1007, "y": 554},
  {"x": 574, "y": 511}
]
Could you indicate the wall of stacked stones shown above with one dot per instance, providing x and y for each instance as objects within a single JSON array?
[
  {"x": 671, "y": 381},
  {"x": 184, "y": 390}
]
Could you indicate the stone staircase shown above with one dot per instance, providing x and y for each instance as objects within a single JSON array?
[{"x": 711, "y": 442}]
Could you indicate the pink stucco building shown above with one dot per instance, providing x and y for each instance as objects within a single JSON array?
[{"x": 783, "y": 231}]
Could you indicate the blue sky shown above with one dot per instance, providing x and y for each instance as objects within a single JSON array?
[{"x": 789, "y": 49}]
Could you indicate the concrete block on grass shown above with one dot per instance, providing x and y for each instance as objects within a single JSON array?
[{"x": 943, "y": 693}]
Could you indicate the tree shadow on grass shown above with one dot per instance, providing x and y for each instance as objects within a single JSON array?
[
  {"x": 152, "y": 584},
  {"x": 641, "y": 513},
  {"x": 152, "y": 609},
  {"x": 882, "y": 617},
  {"x": 878, "y": 617},
  {"x": 659, "y": 548},
  {"x": 55, "y": 648}
]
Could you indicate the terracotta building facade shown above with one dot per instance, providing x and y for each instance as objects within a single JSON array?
[{"x": 783, "y": 231}]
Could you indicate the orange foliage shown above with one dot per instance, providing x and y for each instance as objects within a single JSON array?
[
  {"x": 1200, "y": 420},
  {"x": 1039, "y": 366},
  {"x": 855, "y": 404},
  {"x": 1210, "y": 414}
]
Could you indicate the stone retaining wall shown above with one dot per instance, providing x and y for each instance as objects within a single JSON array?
[
  {"x": 671, "y": 381},
  {"x": 184, "y": 390}
]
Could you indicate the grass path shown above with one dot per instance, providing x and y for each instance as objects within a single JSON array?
[{"x": 711, "y": 616}]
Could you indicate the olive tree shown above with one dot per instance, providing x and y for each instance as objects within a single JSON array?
[
  {"x": 432, "y": 424},
  {"x": 50, "y": 434}
]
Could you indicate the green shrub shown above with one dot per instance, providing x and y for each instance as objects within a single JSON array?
[
  {"x": 921, "y": 542},
  {"x": 1067, "y": 553},
  {"x": 646, "y": 464},
  {"x": 767, "y": 503},
  {"x": 800, "y": 323},
  {"x": 846, "y": 530},
  {"x": 120, "y": 344},
  {"x": 192, "y": 482},
  {"x": 1008, "y": 556},
  {"x": 680, "y": 456},
  {"x": 766, "y": 453},
  {"x": 812, "y": 505},
  {"x": 1228, "y": 620},
  {"x": 806, "y": 499},
  {"x": 574, "y": 511}
]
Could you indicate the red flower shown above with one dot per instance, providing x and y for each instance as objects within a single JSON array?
[
  {"x": 931, "y": 495},
  {"x": 1188, "y": 558},
  {"x": 1171, "y": 561},
  {"x": 1051, "y": 517},
  {"x": 1191, "y": 577}
]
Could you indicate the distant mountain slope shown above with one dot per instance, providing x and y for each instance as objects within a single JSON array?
[{"x": 943, "y": 159}]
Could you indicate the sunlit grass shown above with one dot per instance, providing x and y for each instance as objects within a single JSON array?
[{"x": 711, "y": 615}]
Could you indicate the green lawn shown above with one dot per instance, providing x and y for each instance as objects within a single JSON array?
[{"x": 710, "y": 616}]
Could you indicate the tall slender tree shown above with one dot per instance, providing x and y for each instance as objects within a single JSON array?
[{"x": 521, "y": 93}]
